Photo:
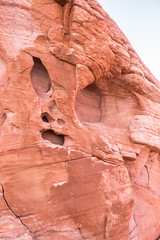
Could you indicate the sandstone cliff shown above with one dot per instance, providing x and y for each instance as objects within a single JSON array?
[{"x": 79, "y": 126}]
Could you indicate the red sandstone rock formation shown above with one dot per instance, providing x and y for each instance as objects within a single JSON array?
[{"x": 79, "y": 126}]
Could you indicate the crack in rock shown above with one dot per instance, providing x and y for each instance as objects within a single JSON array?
[
  {"x": 134, "y": 228},
  {"x": 147, "y": 173},
  {"x": 4, "y": 198}
]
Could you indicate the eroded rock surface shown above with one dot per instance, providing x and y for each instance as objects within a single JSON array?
[{"x": 79, "y": 126}]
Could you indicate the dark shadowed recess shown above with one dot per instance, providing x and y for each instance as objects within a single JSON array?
[
  {"x": 45, "y": 117},
  {"x": 51, "y": 136},
  {"x": 158, "y": 238},
  {"x": 88, "y": 104},
  {"x": 61, "y": 2},
  {"x": 40, "y": 79}
]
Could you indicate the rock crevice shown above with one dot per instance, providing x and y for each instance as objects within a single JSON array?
[{"x": 13, "y": 212}]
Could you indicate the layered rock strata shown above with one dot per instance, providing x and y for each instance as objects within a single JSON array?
[{"x": 79, "y": 126}]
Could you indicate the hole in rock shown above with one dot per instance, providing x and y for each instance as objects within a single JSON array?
[
  {"x": 40, "y": 79},
  {"x": 51, "y": 136},
  {"x": 44, "y": 117},
  {"x": 61, "y": 2},
  {"x": 88, "y": 104}
]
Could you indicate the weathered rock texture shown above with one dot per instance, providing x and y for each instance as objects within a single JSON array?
[{"x": 79, "y": 126}]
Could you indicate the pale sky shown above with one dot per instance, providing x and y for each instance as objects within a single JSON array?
[{"x": 139, "y": 20}]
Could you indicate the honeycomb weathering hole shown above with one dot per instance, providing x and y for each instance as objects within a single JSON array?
[
  {"x": 51, "y": 136},
  {"x": 88, "y": 104},
  {"x": 40, "y": 79},
  {"x": 45, "y": 117}
]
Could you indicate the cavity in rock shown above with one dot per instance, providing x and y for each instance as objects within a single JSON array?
[
  {"x": 88, "y": 104},
  {"x": 61, "y": 2},
  {"x": 51, "y": 136},
  {"x": 44, "y": 117},
  {"x": 40, "y": 79}
]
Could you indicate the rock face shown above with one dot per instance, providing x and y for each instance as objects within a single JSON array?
[{"x": 79, "y": 126}]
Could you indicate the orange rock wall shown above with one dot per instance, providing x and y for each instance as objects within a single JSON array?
[{"x": 79, "y": 126}]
